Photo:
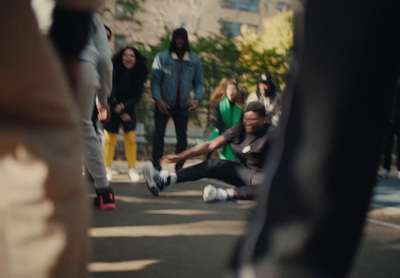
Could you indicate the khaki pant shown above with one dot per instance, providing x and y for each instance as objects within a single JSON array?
[{"x": 43, "y": 212}]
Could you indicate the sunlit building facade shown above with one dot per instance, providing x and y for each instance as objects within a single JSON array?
[{"x": 201, "y": 17}]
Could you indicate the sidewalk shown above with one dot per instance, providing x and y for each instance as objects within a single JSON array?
[
  {"x": 173, "y": 235},
  {"x": 178, "y": 235},
  {"x": 385, "y": 203}
]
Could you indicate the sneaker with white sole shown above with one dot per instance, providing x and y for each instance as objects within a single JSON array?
[
  {"x": 213, "y": 194},
  {"x": 155, "y": 180},
  {"x": 105, "y": 198},
  {"x": 209, "y": 193},
  {"x": 134, "y": 174}
]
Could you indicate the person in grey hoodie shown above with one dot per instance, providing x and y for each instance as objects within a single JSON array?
[{"x": 95, "y": 82}]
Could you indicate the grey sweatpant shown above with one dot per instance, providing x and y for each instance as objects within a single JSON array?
[{"x": 93, "y": 156}]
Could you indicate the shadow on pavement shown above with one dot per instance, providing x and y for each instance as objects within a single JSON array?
[{"x": 173, "y": 235}]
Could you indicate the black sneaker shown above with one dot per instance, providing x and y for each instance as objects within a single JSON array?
[
  {"x": 105, "y": 198},
  {"x": 154, "y": 181}
]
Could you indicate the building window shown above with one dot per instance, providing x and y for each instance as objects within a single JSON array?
[
  {"x": 282, "y": 5},
  {"x": 122, "y": 13},
  {"x": 245, "y": 5},
  {"x": 232, "y": 29}
]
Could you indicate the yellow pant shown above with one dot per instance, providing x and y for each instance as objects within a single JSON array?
[{"x": 130, "y": 147}]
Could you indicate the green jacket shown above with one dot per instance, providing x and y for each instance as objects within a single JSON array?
[{"x": 230, "y": 115}]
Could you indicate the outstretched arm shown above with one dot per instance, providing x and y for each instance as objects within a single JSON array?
[{"x": 203, "y": 148}]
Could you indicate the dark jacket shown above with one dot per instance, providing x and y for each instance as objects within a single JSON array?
[{"x": 128, "y": 91}]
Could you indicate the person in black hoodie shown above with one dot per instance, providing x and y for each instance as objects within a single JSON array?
[
  {"x": 176, "y": 72},
  {"x": 129, "y": 76}
]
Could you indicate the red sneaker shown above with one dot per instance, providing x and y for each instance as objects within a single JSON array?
[{"x": 105, "y": 198}]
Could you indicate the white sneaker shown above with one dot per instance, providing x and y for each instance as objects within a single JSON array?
[
  {"x": 134, "y": 174},
  {"x": 212, "y": 194},
  {"x": 109, "y": 172},
  {"x": 209, "y": 193},
  {"x": 155, "y": 180},
  {"x": 384, "y": 173},
  {"x": 114, "y": 171}
]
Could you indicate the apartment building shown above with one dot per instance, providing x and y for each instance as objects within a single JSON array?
[{"x": 201, "y": 17}]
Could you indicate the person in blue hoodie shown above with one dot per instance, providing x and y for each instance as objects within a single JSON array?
[{"x": 175, "y": 72}]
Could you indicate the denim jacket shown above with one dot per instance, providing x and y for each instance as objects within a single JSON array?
[{"x": 165, "y": 74}]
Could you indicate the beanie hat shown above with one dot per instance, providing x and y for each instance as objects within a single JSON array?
[{"x": 180, "y": 32}]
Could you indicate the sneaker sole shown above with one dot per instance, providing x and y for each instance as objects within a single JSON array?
[
  {"x": 148, "y": 174},
  {"x": 109, "y": 206}
]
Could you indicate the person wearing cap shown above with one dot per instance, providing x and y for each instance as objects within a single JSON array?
[
  {"x": 266, "y": 94},
  {"x": 175, "y": 72},
  {"x": 250, "y": 140}
]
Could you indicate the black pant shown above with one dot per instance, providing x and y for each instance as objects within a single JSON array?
[
  {"x": 392, "y": 129},
  {"x": 180, "y": 116},
  {"x": 345, "y": 65},
  {"x": 227, "y": 171}
]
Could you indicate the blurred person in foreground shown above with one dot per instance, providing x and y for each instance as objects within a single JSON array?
[
  {"x": 310, "y": 216},
  {"x": 44, "y": 213}
]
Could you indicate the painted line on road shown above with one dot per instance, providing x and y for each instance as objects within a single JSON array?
[{"x": 383, "y": 223}]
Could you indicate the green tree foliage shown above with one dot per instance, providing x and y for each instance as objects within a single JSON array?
[
  {"x": 269, "y": 50},
  {"x": 242, "y": 58}
]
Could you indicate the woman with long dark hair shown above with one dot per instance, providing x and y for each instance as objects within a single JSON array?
[{"x": 129, "y": 76}]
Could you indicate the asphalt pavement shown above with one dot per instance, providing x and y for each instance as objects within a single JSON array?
[{"x": 178, "y": 235}]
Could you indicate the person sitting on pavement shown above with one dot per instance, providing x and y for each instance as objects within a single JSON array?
[{"x": 250, "y": 140}]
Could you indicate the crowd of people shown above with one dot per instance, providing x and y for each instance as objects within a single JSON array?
[
  {"x": 241, "y": 138},
  {"x": 319, "y": 157}
]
